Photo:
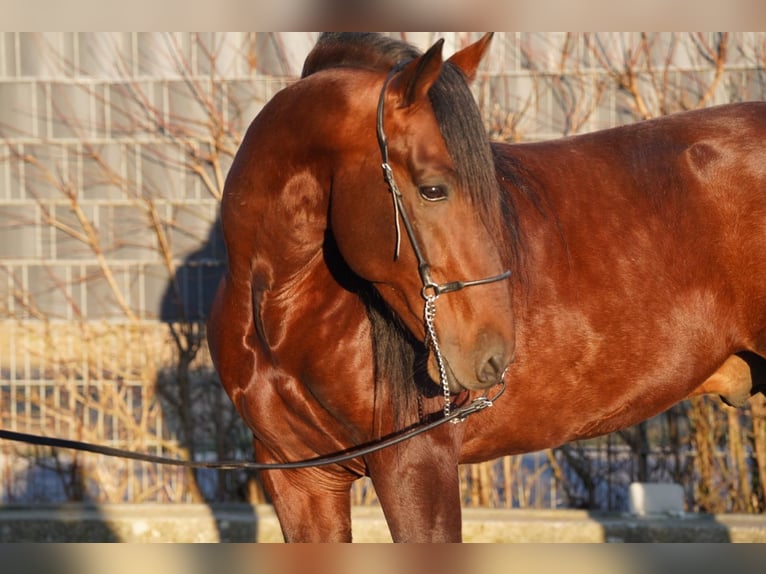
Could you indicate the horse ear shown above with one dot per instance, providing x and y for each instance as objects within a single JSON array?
[
  {"x": 417, "y": 77},
  {"x": 468, "y": 59}
]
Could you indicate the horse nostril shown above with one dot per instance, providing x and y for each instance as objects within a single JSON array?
[{"x": 492, "y": 369}]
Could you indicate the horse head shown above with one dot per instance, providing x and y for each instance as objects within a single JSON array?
[{"x": 430, "y": 225}]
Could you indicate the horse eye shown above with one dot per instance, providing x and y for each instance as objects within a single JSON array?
[{"x": 433, "y": 192}]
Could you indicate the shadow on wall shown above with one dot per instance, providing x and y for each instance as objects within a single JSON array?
[
  {"x": 189, "y": 294},
  {"x": 80, "y": 522},
  {"x": 683, "y": 528},
  {"x": 196, "y": 409}
]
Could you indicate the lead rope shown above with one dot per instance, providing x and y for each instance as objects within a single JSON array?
[{"x": 459, "y": 415}]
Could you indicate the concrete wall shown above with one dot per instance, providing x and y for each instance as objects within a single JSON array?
[{"x": 242, "y": 523}]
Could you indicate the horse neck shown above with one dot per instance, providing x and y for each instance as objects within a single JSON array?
[{"x": 278, "y": 190}]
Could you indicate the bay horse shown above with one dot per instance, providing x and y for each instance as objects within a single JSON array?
[{"x": 602, "y": 278}]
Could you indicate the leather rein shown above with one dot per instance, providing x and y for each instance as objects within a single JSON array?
[
  {"x": 430, "y": 292},
  {"x": 474, "y": 406}
]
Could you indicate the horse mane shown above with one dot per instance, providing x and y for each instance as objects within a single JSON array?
[
  {"x": 366, "y": 50},
  {"x": 399, "y": 358}
]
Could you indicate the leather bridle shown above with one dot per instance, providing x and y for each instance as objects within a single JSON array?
[
  {"x": 430, "y": 287},
  {"x": 431, "y": 290}
]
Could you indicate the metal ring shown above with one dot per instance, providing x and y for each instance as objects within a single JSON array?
[{"x": 435, "y": 291}]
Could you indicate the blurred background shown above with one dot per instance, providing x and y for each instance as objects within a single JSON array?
[{"x": 113, "y": 153}]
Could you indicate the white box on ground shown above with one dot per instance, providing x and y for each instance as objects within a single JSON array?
[{"x": 646, "y": 498}]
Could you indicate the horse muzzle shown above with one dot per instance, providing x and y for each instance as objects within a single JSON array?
[{"x": 486, "y": 370}]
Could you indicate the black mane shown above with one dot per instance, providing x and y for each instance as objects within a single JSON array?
[{"x": 367, "y": 50}]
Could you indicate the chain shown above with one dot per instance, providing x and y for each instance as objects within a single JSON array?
[{"x": 430, "y": 315}]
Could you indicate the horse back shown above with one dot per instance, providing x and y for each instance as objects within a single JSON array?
[
  {"x": 696, "y": 177},
  {"x": 642, "y": 269}
]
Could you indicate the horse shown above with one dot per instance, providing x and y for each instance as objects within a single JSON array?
[{"x": 601, "y": 278}]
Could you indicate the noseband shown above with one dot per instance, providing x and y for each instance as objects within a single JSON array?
[{"x": 430, "y": 290}]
